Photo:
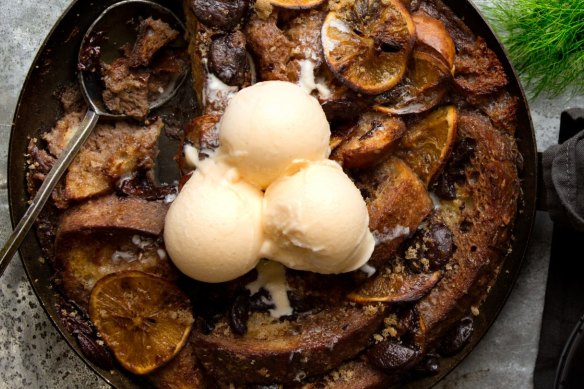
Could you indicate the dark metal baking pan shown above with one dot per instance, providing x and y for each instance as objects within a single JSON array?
[{"x": 55, "y": 66}]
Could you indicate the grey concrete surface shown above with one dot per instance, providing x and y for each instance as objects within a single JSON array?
[{"x": 32, "y": 354}]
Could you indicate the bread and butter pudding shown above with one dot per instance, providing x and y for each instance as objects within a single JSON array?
[{"x": 412, "y": 110}]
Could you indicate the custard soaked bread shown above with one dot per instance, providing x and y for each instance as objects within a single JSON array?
[
  {"x": 441, "y": 187},
  {"x": 108, "y": 235},
  {"x": 421, "y": 122}
]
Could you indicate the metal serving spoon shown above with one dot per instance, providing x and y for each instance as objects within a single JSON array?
[{"x": 116, "y": 22}]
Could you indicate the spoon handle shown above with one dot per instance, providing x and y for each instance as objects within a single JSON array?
[{"x": 44, "y": 192}]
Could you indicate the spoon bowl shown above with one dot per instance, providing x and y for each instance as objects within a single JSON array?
[{"x": 114, "y": 28}]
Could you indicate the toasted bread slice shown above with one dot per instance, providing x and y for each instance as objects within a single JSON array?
[
  {"x": 478, "y": 70},
  {"x": 111, "y": 152},
  {"x": 500, "y": 107},
  {"x": 480, "y": 219},
  {"x": 108, "y": 235},
  {"x": 397, "y": 202},
  {"x": 286, "y": 351},
  {"x": 113, "y": 212}
]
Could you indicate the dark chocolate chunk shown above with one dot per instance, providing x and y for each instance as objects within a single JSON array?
[
  {"x": 221, "y": 14},
  {"x": 228, "y": 58},
  {"x": 439, "y": 245},
  {"x": 391, "y": 356},
  {"x": 239, "y": 314},
  {"x": 457, "y": 337}
]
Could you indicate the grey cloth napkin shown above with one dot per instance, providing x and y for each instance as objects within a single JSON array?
[
  {"x": 564, "y": 297},
  {"x": 563, "y": 174}
]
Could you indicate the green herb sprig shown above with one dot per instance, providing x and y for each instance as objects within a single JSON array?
[{"x": 545, "y": 41}]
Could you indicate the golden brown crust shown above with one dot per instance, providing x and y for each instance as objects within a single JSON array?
[
  {"x": 107, "y": 235},
  {"x": 287, "y": 351},
  {"x": 500, "y": 107},
  {"x": 113, "y": 212},
  {"x": 84, "y": 258},
  {"x": 482, "y": 227},
  {"x": 272, "y": 48},
  {"x": 478, "y": 70},
  {"x": 111, "y": 152},
  {"x": 397, "y": 202}
]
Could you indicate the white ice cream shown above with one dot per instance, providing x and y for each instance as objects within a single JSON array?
[
  {"x": 213, "y": 229},
  {"x": 317, "y": 220},
  {"x": 270, "y": 126},
  {"x": 274, "y": 136}
]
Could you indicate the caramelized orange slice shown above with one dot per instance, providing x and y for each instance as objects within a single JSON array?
[
  {"x": 427, "y": 143},
  {"x": 296, "y": 4},
  {"x": 432, "y": 32},
  {"x": 395, "y": 287},
  {"x": 367, "y": 43},
  {"x": 373, "y": 136},
  {"x": 145, "y": 320},
  {"x": 424, "y": 86}
]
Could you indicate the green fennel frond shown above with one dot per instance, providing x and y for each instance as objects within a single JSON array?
[{"x": 545, "y": 41}]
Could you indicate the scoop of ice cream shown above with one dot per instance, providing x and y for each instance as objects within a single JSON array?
[
  {"x": 213, "y": 229},
  {"x": 316, "y": 219},
  {"x": 273, "y": 136},
  {"x": 269, "y": 126}
]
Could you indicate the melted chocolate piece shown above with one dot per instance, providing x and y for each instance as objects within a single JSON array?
[
  {"x": 239, "y": 314},
  {"x": 140, "y": 186},
  {"x": 221, "y": 14},
  {"x": 434, "y": 243},
  {"x": 228, "y": 58},
  {"x": 391, "y": 356},
  {"x": 454, "y": 172},
  {"x": 457, "y": 337},
  {"x": 342, "y": 110},
  {"x": 260, "y": 301},
  {"x": 439, "y": 245}
]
